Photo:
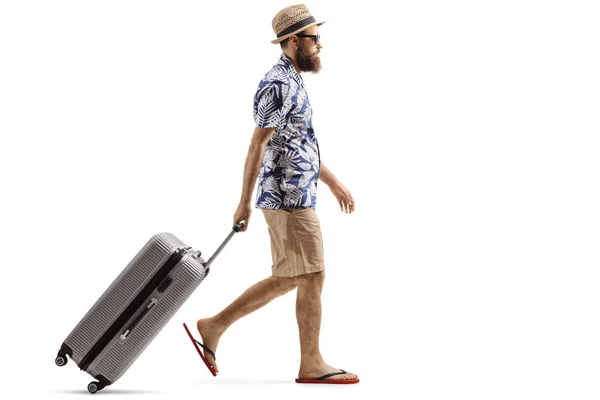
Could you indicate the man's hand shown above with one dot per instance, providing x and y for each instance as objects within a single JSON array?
[
  {"x": 243, "y": 213},
  {"x": 343, "y": 197}
]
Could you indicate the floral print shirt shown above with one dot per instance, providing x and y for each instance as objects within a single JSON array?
[{"x": 291, "y": 163}]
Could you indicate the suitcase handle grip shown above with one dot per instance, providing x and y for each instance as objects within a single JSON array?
[{"x": 238, "y": 226}]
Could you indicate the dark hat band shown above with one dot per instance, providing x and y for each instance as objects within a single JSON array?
[{"x": 296, "y": 26}]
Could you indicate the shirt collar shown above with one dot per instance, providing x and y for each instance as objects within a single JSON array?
[{"x": 288, "y": 64}]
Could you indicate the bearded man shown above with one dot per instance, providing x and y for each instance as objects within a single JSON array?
[{"x": 284, "y": 155}]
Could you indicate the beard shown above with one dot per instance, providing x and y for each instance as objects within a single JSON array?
[{"x": 307, "y": 62}]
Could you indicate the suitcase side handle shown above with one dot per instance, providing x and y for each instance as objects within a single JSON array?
[
  {"x": 135, "y": 322},
  {"x": 236, "y": 228}
]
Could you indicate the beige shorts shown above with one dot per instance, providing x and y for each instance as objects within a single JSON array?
[{"x": 296, "y": 241}]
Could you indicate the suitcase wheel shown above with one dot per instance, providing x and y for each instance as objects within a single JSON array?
[
  {"x": 61, "y": 361},
  {"x": 93, "y": 387}
]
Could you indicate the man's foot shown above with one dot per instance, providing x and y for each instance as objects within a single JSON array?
[
  {"x": 321, "y": 370},
  {"x": 210, "y": 338}
]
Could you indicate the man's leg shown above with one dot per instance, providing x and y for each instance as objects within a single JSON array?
[
  {"x": 308, "y": 314},
  {"x": 256, "y": 296}
]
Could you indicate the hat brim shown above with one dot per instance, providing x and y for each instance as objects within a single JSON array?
[{"x": 281, "y": 39}]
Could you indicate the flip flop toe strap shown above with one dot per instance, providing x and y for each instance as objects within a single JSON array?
[
  {"x": 341, "y": 372},
  {"x": 207, "y": 349}
]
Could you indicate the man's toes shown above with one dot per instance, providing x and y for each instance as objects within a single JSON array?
[{"x": 212, "y": 362}]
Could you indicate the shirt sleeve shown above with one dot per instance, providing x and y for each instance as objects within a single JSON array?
[{"x": 269, "y": 105}]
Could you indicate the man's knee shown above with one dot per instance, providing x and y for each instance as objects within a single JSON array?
[
  {"x": 285, "y": 284},
  {"x": 311, "y": 279}
]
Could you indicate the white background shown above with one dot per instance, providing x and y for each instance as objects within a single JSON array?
[{"x": 467, "y": 132}]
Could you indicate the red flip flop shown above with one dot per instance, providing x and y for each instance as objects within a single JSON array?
[
  {"x": 196, "y": 343},
  {"x": 324, "y": 379}
]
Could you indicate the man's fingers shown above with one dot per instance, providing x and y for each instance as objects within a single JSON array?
[
  {"x": 345, "y": 200},
  {"x": 348, "y": 202},
  {"x": 246, "y": 220}
]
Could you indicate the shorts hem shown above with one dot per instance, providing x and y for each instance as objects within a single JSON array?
[{"x": 304, "y": 271}]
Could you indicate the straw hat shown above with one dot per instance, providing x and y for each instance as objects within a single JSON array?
[{"x": 292, "y": 20}]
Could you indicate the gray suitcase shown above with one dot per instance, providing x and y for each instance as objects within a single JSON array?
[{"x": 135, "y": 308}]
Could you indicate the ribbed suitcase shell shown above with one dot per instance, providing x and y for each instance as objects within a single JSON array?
[{"x": 114, "y": 360}]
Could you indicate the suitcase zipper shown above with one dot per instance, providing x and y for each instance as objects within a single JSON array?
[{"x": 137, "y": 302}]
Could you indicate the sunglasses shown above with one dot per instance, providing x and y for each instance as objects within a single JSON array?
[{"x": 316, "y": 38}]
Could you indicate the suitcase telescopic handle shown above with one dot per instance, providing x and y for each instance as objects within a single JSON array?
[{"x": 236, "y": 228}]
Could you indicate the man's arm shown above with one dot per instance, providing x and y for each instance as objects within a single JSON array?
[
  {"x": 327, "y": 176},
  {"x": 254, "y": 160}
]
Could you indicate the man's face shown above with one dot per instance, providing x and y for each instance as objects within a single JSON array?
[{"x": 307, "y": 53}]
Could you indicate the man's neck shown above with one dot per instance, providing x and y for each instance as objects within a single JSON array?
[{"x": 294, "y": 63}]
